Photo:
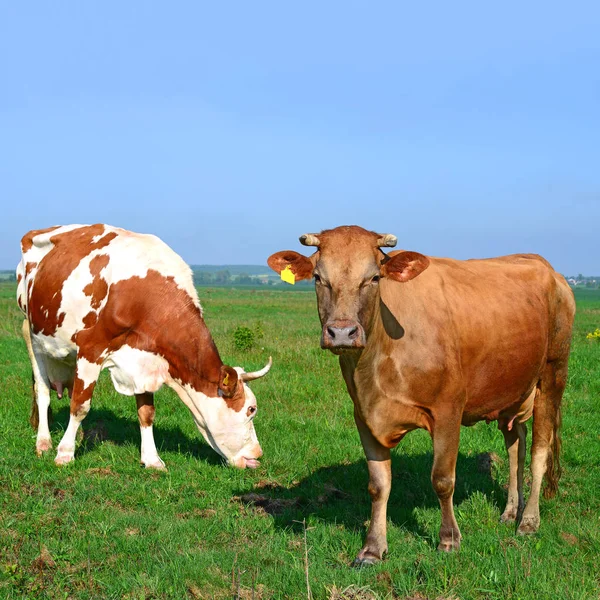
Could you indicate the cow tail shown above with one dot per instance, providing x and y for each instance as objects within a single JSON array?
[
  {"x": 34, "y": 417},
  {"x": 553, "y": 470}
]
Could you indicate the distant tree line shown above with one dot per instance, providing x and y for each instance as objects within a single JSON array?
[
  {"x": 580, "y": 280},
  {"x": 225, "y": 277}
]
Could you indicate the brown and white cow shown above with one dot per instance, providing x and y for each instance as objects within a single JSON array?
[
  {"x": 98, "y": 297},
  {"x": 434, "y": 343}
]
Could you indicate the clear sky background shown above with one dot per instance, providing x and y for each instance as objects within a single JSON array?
[{"x": 468, "y": 129}]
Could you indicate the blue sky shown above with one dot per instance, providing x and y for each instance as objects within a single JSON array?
[{"x": 467, "y": 129}]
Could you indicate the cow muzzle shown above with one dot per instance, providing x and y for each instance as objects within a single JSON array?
[
  {"x": 343, "y": 335},
  {"x": 248, "y": 458}
]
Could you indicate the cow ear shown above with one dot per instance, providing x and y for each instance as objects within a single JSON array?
[
  {"x": 404, "y": 266},
  {"x": 228, "y": 381},
  {"x": 300, "y": 265}
]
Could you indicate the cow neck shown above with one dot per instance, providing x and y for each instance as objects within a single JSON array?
[
  {"x": 375, "y": 315},
  {"x": 195, "y": 360}
]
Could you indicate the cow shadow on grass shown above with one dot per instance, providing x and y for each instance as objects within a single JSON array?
[
  {"x": 338, "y": 494},
  {"x": 103, "y": 425}
]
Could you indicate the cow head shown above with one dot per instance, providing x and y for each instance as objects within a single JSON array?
[
  {"x": 347, "y": 268},
  {"x": 226, "y": 421}
]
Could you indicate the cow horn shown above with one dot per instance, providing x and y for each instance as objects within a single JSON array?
[
  {"x": 387, "y": 240},
  {"x": 309, "y": 239},
  {"x": 257, "y": 374}
]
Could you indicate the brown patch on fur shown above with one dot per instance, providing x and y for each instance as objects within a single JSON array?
[
  {"x": 80, "y": 394},
  {"x": 69, "y": 249},
  {"x": 98, "y": 263},
  {"x": 30, "y": 266},
  {"x": 145, "y": 409},
  {"x": 90, "y": 319},
  {"x": 27, "y": 239},
  {"x": 19, "y": 277},
  {"x": 97, "y": 289},
  {"x": 136, "y": 314},
  {"x": 232, "y": 390}
]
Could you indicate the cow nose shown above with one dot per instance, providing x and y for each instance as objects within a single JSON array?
[{"x": 341, "y": 333}]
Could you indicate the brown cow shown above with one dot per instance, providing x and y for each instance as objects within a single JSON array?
[{"x": 434, "y": 343}]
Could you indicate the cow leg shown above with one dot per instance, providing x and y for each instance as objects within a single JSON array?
[
  {"x": 545, "y": 446},
  {"x": 515, "y": 441},
  {"x": 446, "y": 435},
  {"x": 380, "y": 484},
  {"x": 81, "y": 400},
  {"x": 145, "y": 408},
  {"x": 40, "y": 404}
]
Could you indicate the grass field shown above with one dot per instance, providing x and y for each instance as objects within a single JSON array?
[{"x": 103, "y": 527}]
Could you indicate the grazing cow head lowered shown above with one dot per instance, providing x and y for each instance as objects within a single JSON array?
[
  {"x": 227, "y": 421},
  {"x": 347, "y": 268}
]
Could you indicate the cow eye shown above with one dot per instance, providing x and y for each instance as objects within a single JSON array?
[
  {"x": 251, "y": 411},
  {"x": 317, "y": 278},
  {"x": 375, "y": 279}
]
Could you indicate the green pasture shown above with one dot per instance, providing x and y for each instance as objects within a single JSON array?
[{"x": 103, "y": 527}]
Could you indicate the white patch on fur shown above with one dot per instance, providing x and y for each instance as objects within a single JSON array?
[
  {"x": 87, "y": 371},
  {"x": 149, "y": 454},
  {"x": 146, "y": 252},
  {"x": 59, "y": 347},
  {"x": 66, "y": 448},
  {"x": 136, "y": 371}
]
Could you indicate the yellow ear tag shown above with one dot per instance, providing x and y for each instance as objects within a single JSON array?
[
  {"x": 288, "y": 276},
  {"x": 226, "y": 379}
]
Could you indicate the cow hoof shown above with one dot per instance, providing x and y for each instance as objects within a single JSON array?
[
  {"x": 365, "y": 561},
  {"x": 508, "y": 516},
  {"x": 449, "y": 546},
  {"x": 43, "y": 446},
  {"x": 528, "y": 526},
  {"x": 156, "y": 463},
  {"x": 63, "y": 459},
  {"x": 368, "y": 556}
]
